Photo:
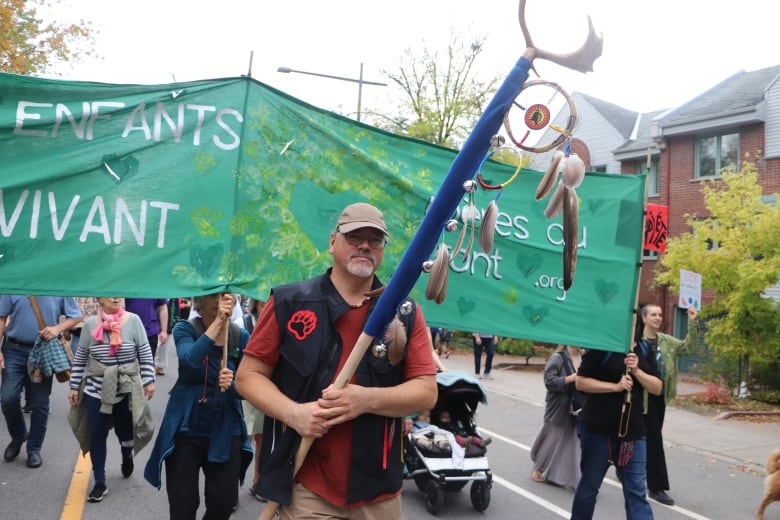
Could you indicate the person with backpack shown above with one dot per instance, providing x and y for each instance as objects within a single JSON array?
[
  {"x": 555, "y": 451},
  {"x": 612, "y": 429},
  {"x": 203, "y": 425}
]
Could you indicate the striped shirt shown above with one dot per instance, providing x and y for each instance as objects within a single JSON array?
[{"x": 135, "y": 346}]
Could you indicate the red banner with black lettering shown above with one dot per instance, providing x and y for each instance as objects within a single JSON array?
[{"x": 656, "y": 227}]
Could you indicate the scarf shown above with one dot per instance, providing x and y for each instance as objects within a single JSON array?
[{"x": 110, "y": 323}]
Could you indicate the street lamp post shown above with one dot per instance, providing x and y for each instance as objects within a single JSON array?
[{"x": 360, "y": 81}]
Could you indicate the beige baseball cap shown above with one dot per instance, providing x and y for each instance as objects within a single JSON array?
[{"x": 360, "y": 215}]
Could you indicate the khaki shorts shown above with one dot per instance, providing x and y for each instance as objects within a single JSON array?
[
  {"x": 253, "y": 418},
  {"x": 310, "y": 506}
]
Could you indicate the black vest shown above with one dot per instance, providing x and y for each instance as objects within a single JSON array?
[{"x": 310, "y": 351}]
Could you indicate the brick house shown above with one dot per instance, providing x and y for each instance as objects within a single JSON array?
[{"x": 687, "y": 144}]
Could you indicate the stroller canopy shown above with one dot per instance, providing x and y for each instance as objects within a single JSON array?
[{"x": 461, "y": 385}]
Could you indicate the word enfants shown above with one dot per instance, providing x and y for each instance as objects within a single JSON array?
[
  {"x": 153, "y": 122},
  {"x": 149, "y": 214}
]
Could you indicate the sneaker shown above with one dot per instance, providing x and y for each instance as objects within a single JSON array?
[
  {"x": 487, "y": 375},
  {"x": 254, "y": 492},
  {"x": 160, "y": 371},
  {"x": 127, "y": 466},
  {"x": 98, "y": 492},
  {"x": 27, "y": 408}
]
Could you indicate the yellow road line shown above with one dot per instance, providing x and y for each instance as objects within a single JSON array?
[{"x": 77, "y": 493}]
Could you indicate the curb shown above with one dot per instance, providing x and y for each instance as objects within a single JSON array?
[{"x": 729, "y": 415}]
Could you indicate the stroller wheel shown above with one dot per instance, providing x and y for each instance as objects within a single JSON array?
[
  {"x": 480, "y": 495},
  {"x": 432, "y": 497},
  {"x": 420, "y": 481}
]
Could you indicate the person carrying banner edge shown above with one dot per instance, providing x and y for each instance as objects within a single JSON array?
[{"x": 612, "y": 429}]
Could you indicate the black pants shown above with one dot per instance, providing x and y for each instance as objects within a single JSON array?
[
  {"x": 657, "y": 475},
  {"x": 182, "y": 473},
  {"x": 153, "y": 340}
]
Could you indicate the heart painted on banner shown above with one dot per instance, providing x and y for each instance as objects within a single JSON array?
[
  {"x": 205, "y": 260},
  {"x": 120, "y": 168},
  {"x": 535, "y": 315},
  {"x": 606, "y": 290},
  {"x": 528, "y": 263},
  {"x": 465, "y": 306}
]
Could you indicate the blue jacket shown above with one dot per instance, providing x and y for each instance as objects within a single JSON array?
[{"x": 184, "y": 403}]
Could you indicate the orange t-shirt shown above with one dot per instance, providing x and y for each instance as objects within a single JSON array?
[{"x": 326, "y": 468}]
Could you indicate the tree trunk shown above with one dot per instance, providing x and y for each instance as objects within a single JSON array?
[{"x": 744, "y": 377}]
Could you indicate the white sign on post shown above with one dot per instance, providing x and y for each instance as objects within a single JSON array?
[{"x": 690, "y": 290}]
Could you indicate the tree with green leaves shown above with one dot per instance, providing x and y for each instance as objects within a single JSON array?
[
  {"x": 442, "y": 95},
  {"x": 736, "y": 249},
  {"x": 28, "y": 45}
]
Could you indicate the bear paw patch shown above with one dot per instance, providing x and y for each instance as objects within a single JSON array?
[{"x": 301, "y": 324}]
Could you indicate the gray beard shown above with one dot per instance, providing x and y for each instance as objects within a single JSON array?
[{"x": 363, "y": 271}]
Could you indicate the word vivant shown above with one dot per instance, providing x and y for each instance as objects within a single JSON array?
[{"x": 96, "y": 222}]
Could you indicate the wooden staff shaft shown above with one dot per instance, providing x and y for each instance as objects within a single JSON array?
[
  {"x": 223, "y": 363},
  {"x": 343, "y": 377},
  {"x": 625, "y": 412}
]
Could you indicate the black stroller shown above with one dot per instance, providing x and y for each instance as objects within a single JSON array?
[{"x": 433, "y": 452}]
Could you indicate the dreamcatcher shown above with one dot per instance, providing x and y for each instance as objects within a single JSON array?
[{"x": 532, "y": 111}]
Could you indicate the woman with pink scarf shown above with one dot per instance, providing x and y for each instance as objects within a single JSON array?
[{"x": 113, "y": 372}]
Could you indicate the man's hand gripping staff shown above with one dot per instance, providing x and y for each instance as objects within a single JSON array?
[{"x": 446, "y": 201}]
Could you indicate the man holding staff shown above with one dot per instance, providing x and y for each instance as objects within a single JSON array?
[{"x": 302, "y": 340}]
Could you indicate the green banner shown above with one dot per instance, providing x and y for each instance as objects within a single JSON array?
[{"x": 189, "y": 188}]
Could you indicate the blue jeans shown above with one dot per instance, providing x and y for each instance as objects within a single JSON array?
[
  {"x": 597, "y": 452},
  {"x": 488, "y": 346},
  {"x": 15, "y": 377}
]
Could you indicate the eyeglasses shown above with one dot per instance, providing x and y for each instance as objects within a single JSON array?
[{"x": 355, "y": 239}]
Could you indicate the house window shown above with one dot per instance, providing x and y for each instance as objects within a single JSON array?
[
  {"x": 601, "y": 168},
  {"x": 647, "y": 254},
  {"x": 651, "y": 183},
  {"x": 716, "y": 152}
]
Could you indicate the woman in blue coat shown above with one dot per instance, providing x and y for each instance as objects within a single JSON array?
[{"x": 203, "y": 427}]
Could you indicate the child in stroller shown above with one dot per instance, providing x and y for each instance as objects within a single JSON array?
[
  {"x": 437, "y": 442},
  {"x": 444, "y": 450}
]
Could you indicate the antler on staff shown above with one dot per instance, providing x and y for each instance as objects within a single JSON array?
[{"x": 580, "y": 60}]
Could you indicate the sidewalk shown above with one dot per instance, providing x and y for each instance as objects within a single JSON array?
[{"x": 732, "y": 441}]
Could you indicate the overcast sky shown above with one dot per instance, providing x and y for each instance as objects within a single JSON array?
[{"x": 657, "y": 54}]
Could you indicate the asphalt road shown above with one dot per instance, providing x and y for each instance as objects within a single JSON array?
[{"x": 704, "y": 484}]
